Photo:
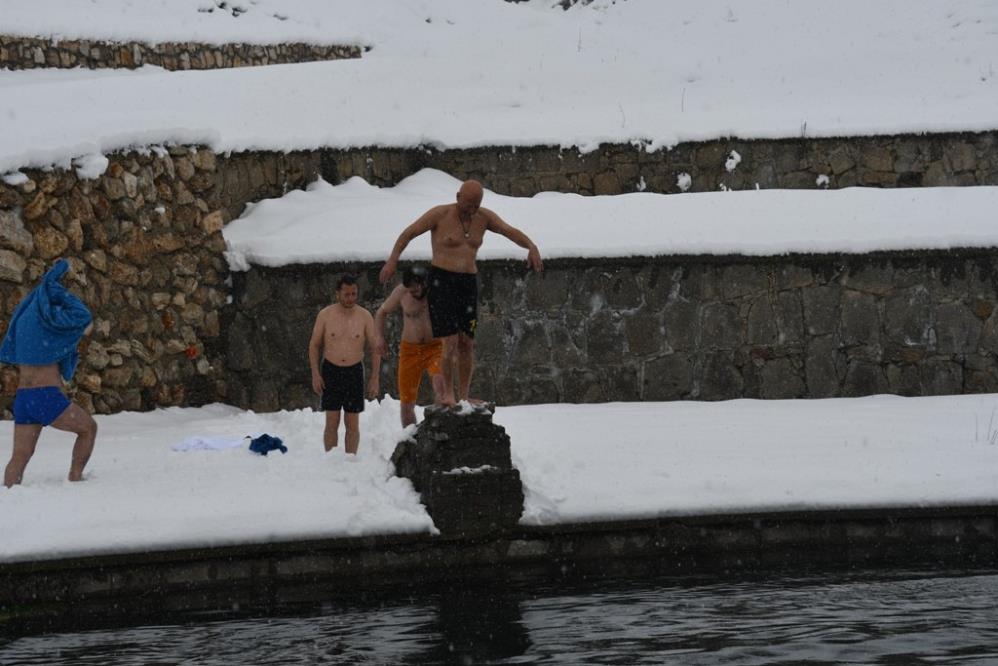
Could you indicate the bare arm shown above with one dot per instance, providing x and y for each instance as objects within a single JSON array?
[
  {"x": 425, "y": 223},
  {"x": 315, "y": 352},
  {"x": 374, "y": 381},
  {"x": 390, "y": 305},
  {"x": 499, "y": 226}
]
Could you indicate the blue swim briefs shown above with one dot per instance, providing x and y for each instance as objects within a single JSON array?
[{"x": 42, "y": 404}]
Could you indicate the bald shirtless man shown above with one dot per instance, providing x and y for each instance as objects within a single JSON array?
[
  {"x": 456, "y": 232},
  {"x": 419, "y": 351},
  {"x": 339, "y": 336}
]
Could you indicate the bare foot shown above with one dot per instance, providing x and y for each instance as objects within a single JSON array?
[
  {"x": 75, "y": 476},
  {"x": 476, "y": 401}
]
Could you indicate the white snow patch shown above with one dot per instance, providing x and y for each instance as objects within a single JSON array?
[
  {"x": 91, "y": 167},
  {"x": 734, "y": 159}
]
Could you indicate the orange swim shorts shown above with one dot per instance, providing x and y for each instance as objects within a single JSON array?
[{"x": 414, "y": 358}]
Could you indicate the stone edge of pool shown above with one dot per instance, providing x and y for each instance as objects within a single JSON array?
[{"x": 285, "y": 572}]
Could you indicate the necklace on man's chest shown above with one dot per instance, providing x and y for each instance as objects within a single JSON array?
[{"x": 465, "y": 227}]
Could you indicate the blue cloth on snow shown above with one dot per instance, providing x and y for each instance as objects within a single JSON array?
[
  {"x": 47, "y": 325},
  {"x": 266, "y": 443}
]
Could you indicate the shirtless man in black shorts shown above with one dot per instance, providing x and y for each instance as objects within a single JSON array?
[
  {"x": 339, "y": 336},
  {"x": 456, "y": 233}
]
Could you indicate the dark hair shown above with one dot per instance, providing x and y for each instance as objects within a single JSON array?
[
  {"x": 414, "y": 274},
  {"x": 346, "y": 278}
]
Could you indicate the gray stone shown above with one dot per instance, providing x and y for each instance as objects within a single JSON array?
[
  {"x": 721, "y": 379},
  {"x": 941, "y": 378},
  {"x": 957, "y": 329},
  {"x": 821, "y": 310},
  {"x": 761, "y": 323},
  {"x": 903, "y": 380},
  {"x": 582, "y": 385},
  {"x": 740, "y": 281},
  {"x": 682, "y": 324},
  {"x": 644, "y": 334},
  {"x": 668, "y": 377},
  {"x": 12, "y": 266},
  {"x": 790, "y": 317},
  {"x": 860, "y": 319},
  {"x": 871, "y": 279},
  {"x": 721, "y": 327},
  {"x": 13, "y": 235},
  {"x": 863, "y": 378},
  {"x": 820, "y": 368},
  {"x": 908, "y": 318},
  {"x": 530, "y": 346},
  {"x": 781, "y": 380},
  {"x": 604, "y": 338}
]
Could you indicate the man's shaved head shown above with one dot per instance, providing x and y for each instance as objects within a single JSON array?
[{"x": 471, "y": 191}]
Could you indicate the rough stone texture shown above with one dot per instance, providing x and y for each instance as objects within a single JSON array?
[
  {"x": 460, "y": 464},
  {"x": 882, "y": 161},
  {"x": 31, "y": 52},
  {"x": 702, "y": 328},
  {"x": 146, "y": 261}
]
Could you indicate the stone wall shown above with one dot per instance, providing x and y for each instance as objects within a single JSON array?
[
  {"x": 705, "y": 328},
  {"x": 145, "y": 243},
  {"x": 804, "y": 163},
  {"x": 33, "y": 52}
]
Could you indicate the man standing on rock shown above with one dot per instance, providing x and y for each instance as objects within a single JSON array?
[
  {"x": 456, "y": 233},
  {"x": 42, "y": 339},
  {"x": 419, "y": 351},
  {"x": 339, "y": 336}
]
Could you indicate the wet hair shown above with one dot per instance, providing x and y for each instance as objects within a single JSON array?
[
  {"x": 415, "y": 274},
  {"x": 346, "y": 278}
]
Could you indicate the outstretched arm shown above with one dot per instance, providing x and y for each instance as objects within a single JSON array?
[
  {"x": 499, "y": 226},
  {"x": 426, "y": 222}
]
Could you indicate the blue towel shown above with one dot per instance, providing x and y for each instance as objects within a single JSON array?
[
  {"x": 265, "y": 444},
  {"x": 47, "y": 325}
]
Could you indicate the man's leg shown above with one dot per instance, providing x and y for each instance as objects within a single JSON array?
[
  {"x": 408, "y": 413},
  {"x": 331, "y": 434},
  {"x": 352, "y": 422},
  {"x": 25, "y": 439},
  {"x": 448, "y": 359},
  {"x": 465, "y": 364},
  {"x": 75, "y": 419}
]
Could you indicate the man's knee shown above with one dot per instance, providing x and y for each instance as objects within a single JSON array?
[{"x": 90, "y": 427}]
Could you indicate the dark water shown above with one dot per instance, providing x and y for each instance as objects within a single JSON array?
[{"x": 904, "y": 618}]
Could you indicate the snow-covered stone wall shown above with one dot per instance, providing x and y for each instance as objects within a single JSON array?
[
  {"x": 144, "y": 239},
  {"x": 667, "y": 328},
  {"x": 32, "y": 52},
  {"x": 930, "y": 160}
]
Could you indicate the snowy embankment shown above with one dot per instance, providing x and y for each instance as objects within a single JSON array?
[
  {"x": 464, "y": 73},
  {"x": 578, "y": 463},
  {"x": 358, "y": 222}
]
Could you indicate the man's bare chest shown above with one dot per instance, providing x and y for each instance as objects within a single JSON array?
[
  {"x": 342, "y": 329},
  {"x": 454, "y": 232}
]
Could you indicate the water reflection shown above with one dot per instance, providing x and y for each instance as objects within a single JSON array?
[
  {"x": 474, "y": 627},
  {"x": 871, "y": 619}
]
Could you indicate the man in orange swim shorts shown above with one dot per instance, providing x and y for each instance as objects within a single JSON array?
[{"x": 419, "y": 351}]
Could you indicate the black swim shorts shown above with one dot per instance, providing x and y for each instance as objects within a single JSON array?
[
  {"x": 344, "y": 387},
  {"x": 453, "y": 302}
]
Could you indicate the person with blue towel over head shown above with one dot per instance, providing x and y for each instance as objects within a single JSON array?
[{"x": 42, "y": 339}]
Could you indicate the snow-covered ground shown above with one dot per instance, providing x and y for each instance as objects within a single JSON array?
[
  {"x": 460, "y": 73},
  {"x": 578, "y": 462},
  {"x": 356, "y": 221}
]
